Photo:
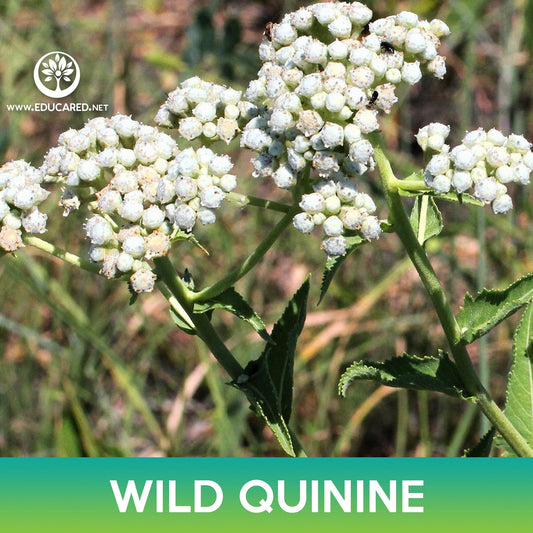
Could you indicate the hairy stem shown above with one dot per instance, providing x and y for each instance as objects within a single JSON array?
[{"x": 418, "y": 257}]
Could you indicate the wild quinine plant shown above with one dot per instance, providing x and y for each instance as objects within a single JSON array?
[{"x": 312, "y": 119}]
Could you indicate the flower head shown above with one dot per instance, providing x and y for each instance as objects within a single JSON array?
[
  {"x": 20, "y": 195},
  {"x": 143, "y": 192},
  {"x": 485, "y": 161}
]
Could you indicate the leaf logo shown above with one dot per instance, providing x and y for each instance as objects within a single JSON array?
[{"x": 56, "y": 74}]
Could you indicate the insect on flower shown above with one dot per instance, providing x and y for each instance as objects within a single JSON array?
[
  {"x": 373, "y": 98},
  {"x": 387, "y": 48},
  {"x": 268, "y": 30}
]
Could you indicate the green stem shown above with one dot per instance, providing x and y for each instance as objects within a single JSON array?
[
  {"x": 447, "y": 319},
  {"x": 183, "y": 302},
  {"x": 252, "y": 260},
  {"x": 202, "y": 325},
  {"x": 242, "y": 200},
  {"x": 49, "y": 248}
]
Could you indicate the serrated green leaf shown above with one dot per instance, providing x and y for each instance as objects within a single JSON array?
[
  {"x": 519, "y": 394},
  {"x": 430, "y": 218},
  {"x": 268, "y": 381},
  {"x": 461, "y": 198},
  {"x": 483, "y": 447},
  {"x": 230, "y": 300},
  {"x": 490, "y": 307},
  {"x": 333, "y": 264},
  {"x": 409, "y": 372}
]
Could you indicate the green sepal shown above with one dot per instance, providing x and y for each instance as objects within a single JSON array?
[
  {"x": 437, "y": 374},
  {"x": 490, "y": 307},
  {"x": 268, "y": 381}
]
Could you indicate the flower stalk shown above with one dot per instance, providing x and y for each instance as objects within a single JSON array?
[{"x": 420, "y": 261}]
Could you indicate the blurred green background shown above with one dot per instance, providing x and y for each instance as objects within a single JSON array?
[{"x": 82, "y": 373}]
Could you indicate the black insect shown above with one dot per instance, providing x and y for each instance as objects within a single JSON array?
[
  {"x": 268, "y": 30},
  {"x": 373, "y": 98},
  {"x": 365, "y": 31},
  {"x": 387, "y": 48}
]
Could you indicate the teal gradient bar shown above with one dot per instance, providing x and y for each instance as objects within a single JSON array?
[{"x": 51, "y": 495}]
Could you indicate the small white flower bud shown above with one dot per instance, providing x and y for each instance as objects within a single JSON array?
[
  {"x": 34, "y": 221},
  {"x": 131, "y": 210},
  {"x": 184, "y": 217},
  {"x": 303, "y": 222},
  {"x": 415, "y": 42},
  {"x": 378, "y": 65},
  {"x": 143, "y": 281},
  {"x": 220, "y": 165},
  {"x": 361, "y": 56},
  {"x": 335, "y": 102},
  {"x": 310, "y": 122},
  {"x": 496, "y": 137},
  {"x": 284, "y": 33},
  {"x": 502, "y": 204},
  {"x": 228, "y": 182},
  {"x": 518, "y": 143},
  {"x": 441, "y": 183},
  {"x": 124, "y": 262},
  {"x": 325, "y": 13},
  {"x": 334, "y": 246},
  {"x": 367, "y": 120},
  {"x": 341, "y": 27},
  {"x": 109, "y": 201},
  {"x": 190, "y": 128},
  {"x": 10, "y": 239},
  {"x": 359, "y": 13},
  {"x": 332, "y": 204},
  {"x": 310, "y": 85},
  {"x": 88, "y": 170},
  {"x": 439, "y": 28},
  {"x": 351, "y": 217},
  {"x": 393, "y": 75},
  {"x": 302, "y": 19},
  {"x": 352, "y": 133},
  {"x": 212, "y": 197},
  {"x": 521, "y": 174},
  {"x": 318, "y": 100},
  {"x": 361, "y": 151},
  {"x": 333, "y": 226},
  {"x": 372, "y": 42},
  {"x": 371, "y": 228},
  {"x": 326, "y": 188},
  {"x": 407, "y": 19},
  {"x": 284, "y": 177},
  {"x": 108, "y": 137},
  {"x": 98, "y": 230},
  {"x": 107, "y": 158},
  {"x": 338, "y": 50},
  {"x": 332, "y": 135},
  {"x": 438, "y": 164},
  {"x": 346, "y": 191},
  {"x": 486, "y": 190},
  {"x": 125, "y": 126},
  {"x": 362, "y": 77},
  {"x": 206, "y": 216},
  {"x": 312, "y": 203},
  {"x": 463, "y": 157},
  {"x": 437, "y": 67},
  {"x": 153, "y": 217},
  {"x": 411, "y": 72},
  {"x": 461, "y": 180}
]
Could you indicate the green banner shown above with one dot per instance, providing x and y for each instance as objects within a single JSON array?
[{"x": 87, "y": 495}]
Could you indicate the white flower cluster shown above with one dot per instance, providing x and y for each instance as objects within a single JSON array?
[
  {"x": 337, "y": 206},
  {"x": 485, "y": 160},
  {"x": 327, "y": 71},
  {"x": 20, "y": 194},
  {"x": 205, "y": 110},
  {"x": 142, "y": 190}
]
